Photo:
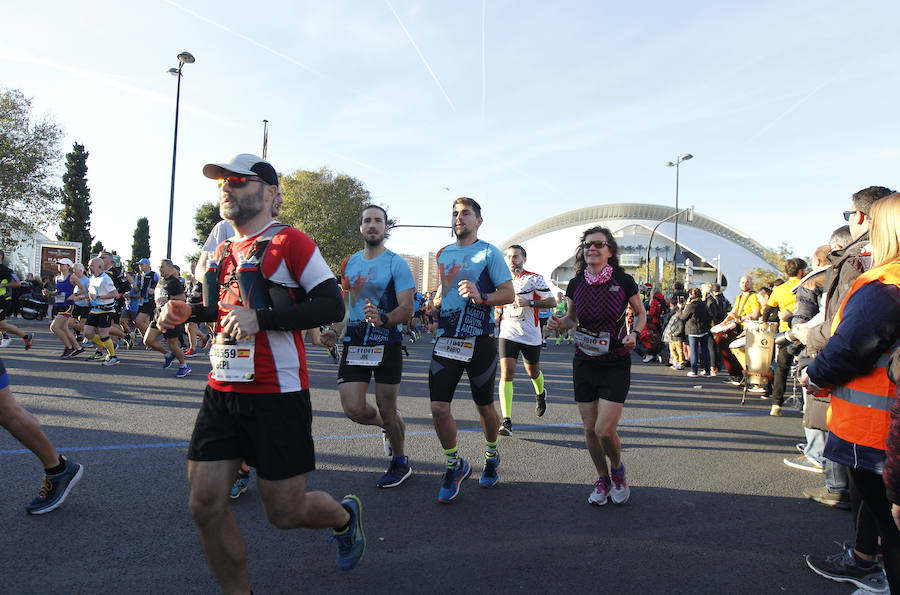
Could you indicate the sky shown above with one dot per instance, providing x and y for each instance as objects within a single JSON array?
[{"x": 532, "y": 108}]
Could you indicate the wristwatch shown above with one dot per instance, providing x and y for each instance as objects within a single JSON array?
[
  {"x": 484, "y": 298},
  {"x": 531, "y": 303},
  {"x": 384, "y": 318}
]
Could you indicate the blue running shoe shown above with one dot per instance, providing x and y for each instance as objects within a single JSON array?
[
  {"x": 183, "y": 371},
  {"x": 239, "y": 487},
  {"x": 169, "y": 360},
  {"x": 351, "y": 542},
  {"x": 452, "y": 480},
  {"x": 489, "y": 476},
  {"x": 55, "y": 489},
  {"x": 396, "y": 473}
]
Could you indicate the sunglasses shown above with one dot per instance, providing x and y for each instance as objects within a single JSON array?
[
  {"x": 848, "y": 214},
  {"x": 238, "y": 181},
  {"x": 596, "y": 244}
]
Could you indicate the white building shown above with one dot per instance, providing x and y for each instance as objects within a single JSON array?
[
  {"x": 38, "y": 254},
  {"x": 709, "y": 244}
]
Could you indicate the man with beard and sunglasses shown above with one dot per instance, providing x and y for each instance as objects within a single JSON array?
[
  {"x": 474, "y": 279},
  {"x": 379, "y": 286},
  {"x": 272, "y": 283}
]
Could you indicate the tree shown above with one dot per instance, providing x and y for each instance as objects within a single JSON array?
[
  {"x": 97, "y": 248},
  {"x": 140, "y": 247},
  {"x": 75, "y": 224},
  {"x": 205, "y": 218},
  {"x": 327, "y": 208},
  {"x": 776, "y": 258},
  {"x": 29, "y": 161}
]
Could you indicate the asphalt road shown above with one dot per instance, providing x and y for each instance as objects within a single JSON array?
[{"x": 713, "y": 509}]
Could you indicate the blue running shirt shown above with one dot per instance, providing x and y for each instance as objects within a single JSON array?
[
  {"x": 379, "y": 280},
  {"x": 479, "y": 262}
]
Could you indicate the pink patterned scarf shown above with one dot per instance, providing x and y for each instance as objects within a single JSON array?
[{"x": 603, "y": 277}]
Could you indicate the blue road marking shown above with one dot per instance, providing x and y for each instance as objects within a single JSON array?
[{"x": 624, "y": 422}]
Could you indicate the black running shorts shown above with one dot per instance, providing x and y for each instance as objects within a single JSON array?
[
  {"x": 388, "y": 371},
  {"x": 98, "y": 320},
  {"x": 62, "y": 310},
  {"x": 147, "y": 308},
  {"x": 272, "y": 432},
  {"x": 81, "y": 311},
  {"x": 444, "y": 373},
  {"x": 510, "y": 348},
  {"x": 607, "y": 380}
]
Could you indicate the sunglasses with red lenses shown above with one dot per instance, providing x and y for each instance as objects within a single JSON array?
[{"x": 238, "y": 181}]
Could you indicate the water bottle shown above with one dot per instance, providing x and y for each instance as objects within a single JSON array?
[
  {"x": 254, "y": 294},
  {"x": 211, "y": 291}
]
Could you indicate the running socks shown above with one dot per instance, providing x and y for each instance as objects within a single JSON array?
[
  {"x": 58, "y": 469},
  {"x": 490, "y": 449},
  {"x": 538, "y": 384},
  {"x": 506, "y": 397},
  {"x": 452, "y": 455},
  {"x": 106, "y": 344}
]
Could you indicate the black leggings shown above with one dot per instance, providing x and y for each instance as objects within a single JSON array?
[{"x": 870, "y": 487}]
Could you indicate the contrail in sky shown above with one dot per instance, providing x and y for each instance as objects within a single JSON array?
[
  {"x": 803, "y": 100},
  {"x": 483, "y": 65},
  {"x": 244, "y": 37},
  {"x": 421, "y": 57},
  {"x": 359, "y": 163}
]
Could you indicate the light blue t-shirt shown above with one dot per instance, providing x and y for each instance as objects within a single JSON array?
[
  {"x": 479, "y": 262},
  {"x": 379, "y": 280}
]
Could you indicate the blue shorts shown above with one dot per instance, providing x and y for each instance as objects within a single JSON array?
[{"x": 4, "y": 377}]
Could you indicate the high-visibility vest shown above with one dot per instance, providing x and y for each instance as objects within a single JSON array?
[{"x": 860, "y": 410}]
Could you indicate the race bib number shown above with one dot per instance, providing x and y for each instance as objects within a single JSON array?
[
  {"x": 592, "y": 344},
  {"x": 514, "y": 313},
  {"x": 357, "y": 355},
  {"x": 60, "y": 298},
  {"x": 458, "y": 349},
  {"x": 232, "y": 361}
]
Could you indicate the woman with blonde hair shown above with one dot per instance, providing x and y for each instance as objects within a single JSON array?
[{"x": 853, "y": 368}]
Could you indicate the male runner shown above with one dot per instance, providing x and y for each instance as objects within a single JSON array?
[
  {"x": 520, "y": 332},
  {"x": 102, "y": 293},
  {"x": 147, "y": 308},
  {"x": 60, "y": 474},
  {"x": 473, "y": 280},
  {"x": 8, "y": 282},
  {"x": 379, "y": 287},
  {"x": 257, "y": 406},
  {"x": 170, "y": 288}
]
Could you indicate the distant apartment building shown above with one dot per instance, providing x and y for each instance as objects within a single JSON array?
[
  {"x": 430, "y": 274},
  {"x": 417, "y": 266}
]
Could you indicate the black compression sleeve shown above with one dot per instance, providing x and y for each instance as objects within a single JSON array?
[{"x": 324, "y": 307}]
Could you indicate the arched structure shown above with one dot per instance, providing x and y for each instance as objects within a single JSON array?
[{"x": 551, "y": 243}]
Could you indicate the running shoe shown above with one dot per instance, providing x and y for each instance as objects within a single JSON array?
[
  {"x": 97, "y": 355},
  {"x": 240, "y": 486},
  {"x": 55, "y": 489},
  {"x": 190, "y": 353},
  {"x": 775, "y": 411},
  {"x": 506, "y": 427},
  {"x": 206, "y": 341},
  {"x": 647, "y": 359},
  {"x": 714, "y": 372},
  {"x": 128, "y": 344},
  {"x": 822, "y": 495},
  {"x": 540, "y": 407},
  {"x": 28, "y": 339},
  {"x": 489, "y": 477},
  {"x": 692, "y": 374},
  {"x": 803, "y": 462},
  {"x": 111, "y": 361},
  {"x": 600, "y": 492},
  {"x": 619, "y": 491},
  {"x": 398, "y": 471},
  {"x": 5, "y": 341},
  {"x": 77, "y": 351},
  {"x": 405, "y": 350},
  {"x": 757, "y": 390},
  {"x": 386, "y": 443},
  {"x": 67, "y": 352},
  {"x": 168, "y": 360},
  {"x": 183, "y": 371},
  {"x": 452, "y": 481},
  {"x": 351, "y": 542},
  {"x": 844, "y": 568}
]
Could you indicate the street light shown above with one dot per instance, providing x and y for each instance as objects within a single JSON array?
[
  {"x": 690, "y": 218},
  {"x": 677, "y": 165},
  {"x": 183, "y": 58}
]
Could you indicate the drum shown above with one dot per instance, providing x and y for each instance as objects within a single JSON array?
[
  {"x": 760, "y": 349},
  {"x": 738, "y": 343},
  {"x": 724, "y": 333}
]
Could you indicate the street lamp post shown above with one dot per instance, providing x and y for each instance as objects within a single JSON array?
[
  {"x": 677, "y": 166},
  {"x": 183, "y": 58},
  {"x": 690, "y": 213}
]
